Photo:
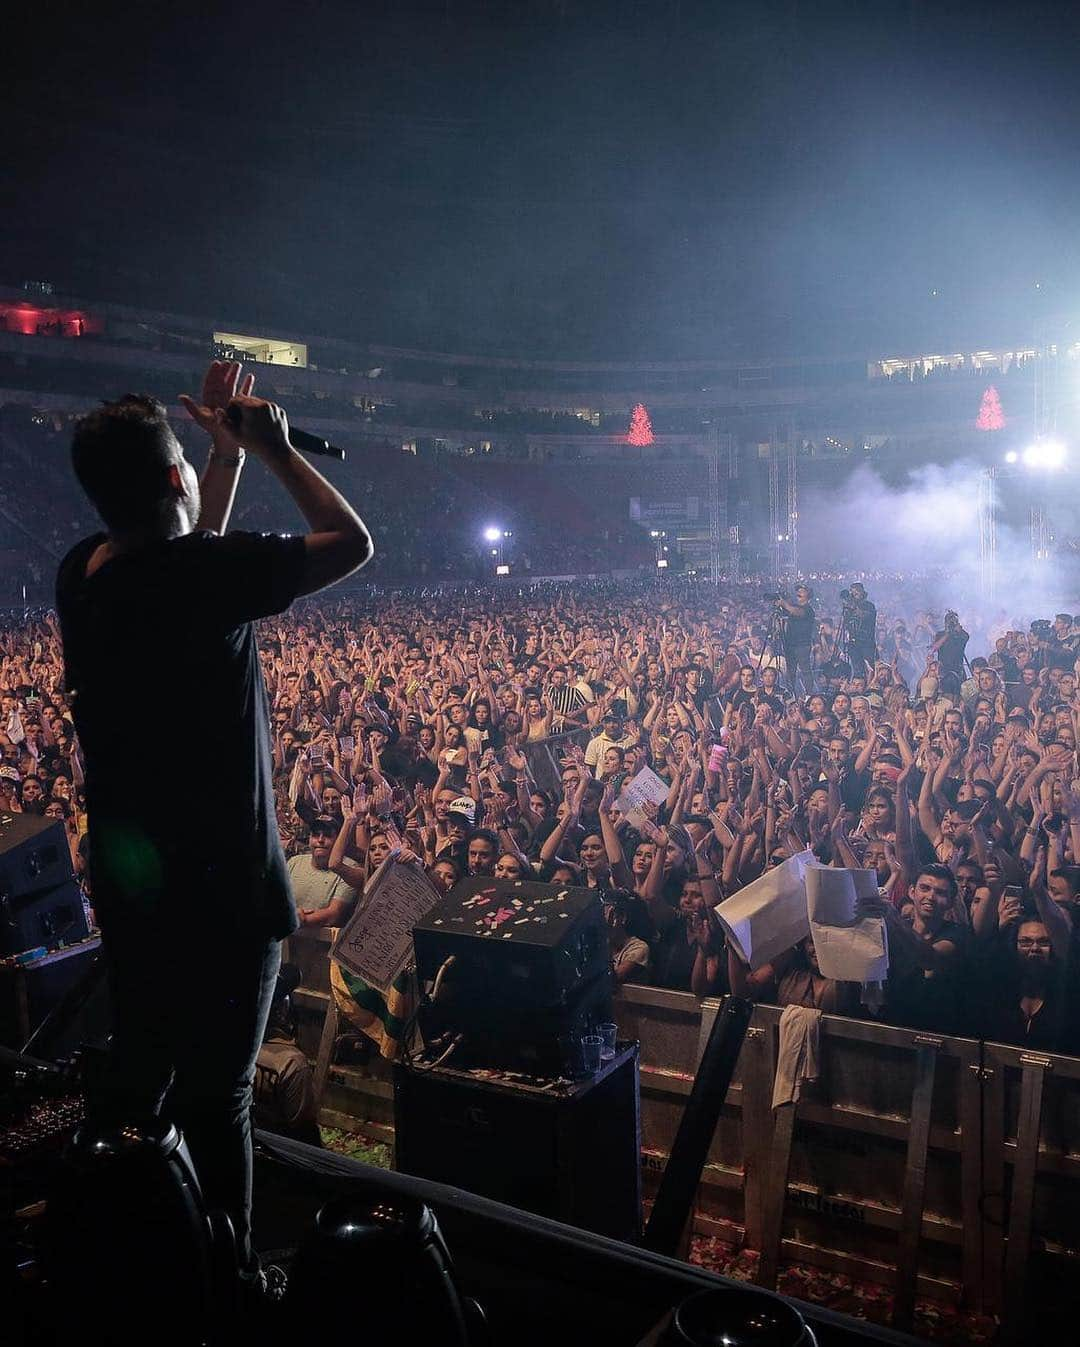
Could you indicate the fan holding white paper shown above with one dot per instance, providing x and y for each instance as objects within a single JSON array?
[
  {"x": 849, "y": 947},
  {"x": 769, "y": 916}
]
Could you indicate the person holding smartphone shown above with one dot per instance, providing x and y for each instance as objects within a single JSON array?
[{"x": 157, "y": 611}]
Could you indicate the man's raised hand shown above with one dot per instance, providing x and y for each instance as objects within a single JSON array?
[{"x": 220, "y": 386}]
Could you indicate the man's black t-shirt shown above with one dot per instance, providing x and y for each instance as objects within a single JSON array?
[
  {"x": 951, "y": 651},
  {"x": 862, "y": 622},
  {"x": 933, "y": 1002},
  {"x": 169, "y": 702},
  {"x": 800, "y": 630}
]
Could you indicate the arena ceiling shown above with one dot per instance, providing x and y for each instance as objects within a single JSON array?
[{"x": 616, "y": 179}]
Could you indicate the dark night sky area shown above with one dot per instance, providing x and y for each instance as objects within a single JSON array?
[{"x": 611, "y": 179}]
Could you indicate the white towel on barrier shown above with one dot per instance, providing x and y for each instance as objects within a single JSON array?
[{"x": 798, "y": 1056}]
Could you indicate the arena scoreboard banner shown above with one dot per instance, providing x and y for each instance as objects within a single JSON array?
[{"x": 666, "y": 512}]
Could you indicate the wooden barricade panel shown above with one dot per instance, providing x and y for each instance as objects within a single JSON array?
[
  {"x": 850, "y": 1165},
  {"x": 850, "y": 1159},
  {"x": 669, "y": 1026}
]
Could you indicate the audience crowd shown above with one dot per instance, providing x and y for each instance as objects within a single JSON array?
[{"x": 493, "y": 731}]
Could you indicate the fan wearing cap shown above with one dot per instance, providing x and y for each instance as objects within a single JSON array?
[
  {"x": 612, "y": 735},
  {"x": 460, "y": 821},
  {"x": 322, "y": 897}
]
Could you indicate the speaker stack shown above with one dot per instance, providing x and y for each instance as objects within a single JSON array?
[
  {"x": 41, "y": 909},
  {"x": 40, "y": 902},
  {"x": 521, "y": 972}
]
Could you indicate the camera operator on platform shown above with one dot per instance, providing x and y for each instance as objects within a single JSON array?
[
  {"x": 860, "y": 619},
  {"x": 949, "y": 647},
  {"x": 798, "y": 637}
]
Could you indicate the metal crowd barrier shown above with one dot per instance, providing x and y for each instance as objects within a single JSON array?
[{"x": 944, "y": 1168}]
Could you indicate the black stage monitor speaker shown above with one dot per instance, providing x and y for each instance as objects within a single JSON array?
[
  {"x": 533, "y": 1040},
  {"x": 523, "y": 971},
  {"x": 34, "y": 854},
  {"x": 45, "y": 918},
  {"x": 523, "y": 943},
  {"x": 571, "y": 1153}
]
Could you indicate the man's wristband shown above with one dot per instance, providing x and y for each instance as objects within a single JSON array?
[{"x": 228, "y": 460}]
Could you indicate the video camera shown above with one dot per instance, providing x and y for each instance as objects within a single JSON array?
[
  {"x": 846, "y": 597},
  {"x": 773, "y": 597}
]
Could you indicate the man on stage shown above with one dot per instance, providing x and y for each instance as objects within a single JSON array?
[{"x": 189, "y": 880}]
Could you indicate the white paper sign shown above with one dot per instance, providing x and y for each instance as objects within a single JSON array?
[
  {"x": 376, "y": 942},
  {"x": 848, "y": 947},
  {"x": 645, "y": 786},
  {"x": 766, "y": 918}
]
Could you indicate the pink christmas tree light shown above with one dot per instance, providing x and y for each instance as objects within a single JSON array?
[
  {"x": 640, "y": 432},
  {"x": 990, "y": 417}
]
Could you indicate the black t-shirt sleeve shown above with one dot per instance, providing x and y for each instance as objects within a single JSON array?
[{"x": 255, "y": 574}]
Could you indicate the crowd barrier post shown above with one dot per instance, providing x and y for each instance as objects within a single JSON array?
[
  {"x": 775, "y": 1194},
  {"x": 758, "y": 1070},
  {"x": 1022, "y": 1201},
  {"x": 911, "y": 1206},
  {"x": 992, "y": 1180},
  {"x": 327, "y": 1044}
]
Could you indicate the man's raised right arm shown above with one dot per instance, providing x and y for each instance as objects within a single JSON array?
[{"x": 338, "y": 542}]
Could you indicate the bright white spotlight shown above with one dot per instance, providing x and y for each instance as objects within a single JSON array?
[
  {"x": 502, "y": 570},
  {"x": 1045, "y": 454},
  {"x": 661, "y": 565},
  {"x": 1011, "y": 456},
  {"x": 493, "y": 534}
]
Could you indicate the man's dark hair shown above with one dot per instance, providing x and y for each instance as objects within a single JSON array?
[
  {"x": 1070, "y": 874},
  {"x": 486, "y": 834},
  {"x": 938, "y": 871},
  {"x": 121, "y": 454}
]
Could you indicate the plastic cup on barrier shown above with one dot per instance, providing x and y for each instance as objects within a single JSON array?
[
  {"x": 608, "y": 1033},
  {"x": 591, "y": 1048}
]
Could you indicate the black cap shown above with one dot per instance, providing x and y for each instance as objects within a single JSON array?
[{"x": 324, "y": 824}]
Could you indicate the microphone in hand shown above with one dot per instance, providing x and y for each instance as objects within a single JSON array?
[{"x": 265, "y": 421}]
